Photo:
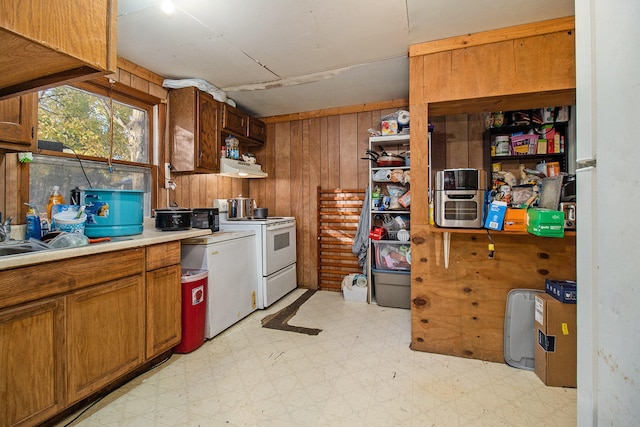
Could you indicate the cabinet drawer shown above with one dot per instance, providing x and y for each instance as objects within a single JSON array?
[
  {"x": 163, "y": 255},
  {"x": 38, "y": 281}
]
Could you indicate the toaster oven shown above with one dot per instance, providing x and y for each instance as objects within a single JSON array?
[
  {"x": 206, "y": 218},
  {"x": 459, "y": 198}
]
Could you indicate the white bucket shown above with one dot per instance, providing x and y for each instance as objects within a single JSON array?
[{"x": 67, "y": 221}]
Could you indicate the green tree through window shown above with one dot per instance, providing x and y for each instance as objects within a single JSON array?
[{"x": 82, "y": 121}]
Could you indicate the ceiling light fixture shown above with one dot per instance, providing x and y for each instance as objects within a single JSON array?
[{"x": 168, "y": 7}]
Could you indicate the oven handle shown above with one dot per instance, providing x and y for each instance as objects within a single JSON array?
[
  {"x": 280, "y": 226},
  {"x": 461, "y": 196}
]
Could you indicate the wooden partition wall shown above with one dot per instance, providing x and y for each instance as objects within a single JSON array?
[{"x": 460, "y": 310}]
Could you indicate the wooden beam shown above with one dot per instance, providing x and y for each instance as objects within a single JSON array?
[
  {"x": 493, "y": 36},
  {"x": 336, "y": 111},
  {"x": 503, "y": 103},
  {"x": 139, "y": 71}
]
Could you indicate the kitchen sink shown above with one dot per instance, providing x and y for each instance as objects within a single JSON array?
[{"x": 20, "y": 247}]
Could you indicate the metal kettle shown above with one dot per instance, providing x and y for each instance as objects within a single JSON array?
[{"x": 240, "y": 207}]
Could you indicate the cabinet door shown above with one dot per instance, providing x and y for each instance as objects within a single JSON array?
[
  {"x": 49, "y": 43},
  {"x": 32, "y": 362},
  {"x": 18, "y": 116},
  {"x": 234, "y": 120},
  {"x": 208, "y": 149},
  {"x": 164, "y": 309},
  {"x": 105, "y": 334},
  {"x": 257, "y": 130}
]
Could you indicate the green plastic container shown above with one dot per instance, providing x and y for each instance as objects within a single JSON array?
[{"x": 545, "y": 222}]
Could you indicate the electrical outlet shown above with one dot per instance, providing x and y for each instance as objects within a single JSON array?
[{"x": 167, "y": 175}]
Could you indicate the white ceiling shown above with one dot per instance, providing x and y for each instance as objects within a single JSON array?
[{"x": 276, "y": 57}]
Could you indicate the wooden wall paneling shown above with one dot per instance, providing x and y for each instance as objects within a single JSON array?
[
  {"x": 365, "y": 121},
  {"x": 558, "y": 51},
  {"x": 283, "y": 169},
  {"x": 438, "y": 145},
  {"x": 311, "y": 178},
  {"x": 193, "y": 196},
  {"x": 323, "y": 171},
  {"x": 468, "y": 299},
  {"x": 484, "y": 70},
  {"x": 476, "y": 129},
  {"x": 274, "y": 132},
  {"x": 348, "y": 151},
  {"x": 333, "y": 155},
  {"x": 436, "y": 79},
  {"x": 298, "y": 193},
  {"x": 210, "y": 191},
  {"x": 457, "y": 143}
]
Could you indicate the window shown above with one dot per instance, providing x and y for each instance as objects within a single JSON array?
[
  {"x": 90, "y": 147},
  {"x": 82, "y": 121}
]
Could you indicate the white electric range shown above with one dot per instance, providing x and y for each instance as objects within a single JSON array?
[{"x": 276, "y": 254}]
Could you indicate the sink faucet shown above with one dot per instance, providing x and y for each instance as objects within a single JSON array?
[{"x": 5, "y": 229}]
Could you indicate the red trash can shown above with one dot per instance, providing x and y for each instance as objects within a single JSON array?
[{"x": 194, "y": 309}]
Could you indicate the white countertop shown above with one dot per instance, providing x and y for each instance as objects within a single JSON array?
[{"x": 150, "y": 236}]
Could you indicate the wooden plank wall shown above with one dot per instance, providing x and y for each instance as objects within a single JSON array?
[{"x": 302, "y": 154}]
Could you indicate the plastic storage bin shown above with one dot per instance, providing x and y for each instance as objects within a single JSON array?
[
  {"x": 390, "y": 255},
  {"x": 194, "y": 309},
  {"x": 392, "y": 288}
]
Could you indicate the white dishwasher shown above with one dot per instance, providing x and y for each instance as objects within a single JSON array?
[{"x": 230, "y": 258}]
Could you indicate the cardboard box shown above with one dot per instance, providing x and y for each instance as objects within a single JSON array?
[
  {"x": 545, "y": 222},
  {"x": 495, "y": 216},
  {"x": 515, "y": 220},
  {"x": 556, "y": 344},
  {"x": 562, "y": 290}
]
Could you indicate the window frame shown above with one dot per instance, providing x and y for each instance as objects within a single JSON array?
[{"x": 129, "y": 95}]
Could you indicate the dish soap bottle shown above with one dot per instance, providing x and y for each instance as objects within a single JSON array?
[
  {"x": 54, "y": 199},
  {"x": 34, "y": 229}
]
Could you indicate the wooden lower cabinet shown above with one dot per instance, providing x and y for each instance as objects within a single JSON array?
[
  {"x": 65, "y": 334},
  {"x": 163, "y": 324},
  {"x": 32, "y": 387},
  {"x": 105, "y": 334}
]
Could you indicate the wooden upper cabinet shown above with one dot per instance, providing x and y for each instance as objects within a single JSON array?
[
  {"x": 18, "y": 116},
  {"x": 234, "y": 120},
  {"x": 194, "y": 133},
  {"x": 249, "y": 129},
  {"x": 257, "y": 130},
  {"x": 47, "y": 43}
]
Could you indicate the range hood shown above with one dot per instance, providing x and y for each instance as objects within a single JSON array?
[{"x": 239, "y": 169}]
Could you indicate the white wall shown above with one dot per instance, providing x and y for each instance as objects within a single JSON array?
[{"x": 608, "y": 117}]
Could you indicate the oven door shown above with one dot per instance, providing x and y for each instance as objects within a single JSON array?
[{"x": 278, "y": 247}]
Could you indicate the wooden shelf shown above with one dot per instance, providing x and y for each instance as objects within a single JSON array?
[
  {"x": 437, "y": 229},
  {"x": 446, "y": 234}
]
